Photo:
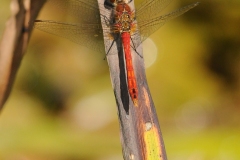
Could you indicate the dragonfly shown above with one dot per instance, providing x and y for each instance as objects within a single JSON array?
[{"x": 119, "y": 21}]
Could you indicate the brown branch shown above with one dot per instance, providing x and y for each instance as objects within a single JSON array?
[{"x": 14, "y": 42}]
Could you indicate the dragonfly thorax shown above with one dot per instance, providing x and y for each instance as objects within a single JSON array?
[{"x": 123, "y": 19}]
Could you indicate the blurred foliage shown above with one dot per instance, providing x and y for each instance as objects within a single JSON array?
[{"x": 62, "y": 106}]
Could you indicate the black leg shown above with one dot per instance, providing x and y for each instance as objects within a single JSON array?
[{"x": 134, "y": 48}]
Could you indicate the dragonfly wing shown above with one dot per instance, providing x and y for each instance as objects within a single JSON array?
[
  {"x": 83, "y": 10},
  {"x": 147, "y": 27},
  {"x": 150, "y": 8},
  {"x": 89, "y": 35}
]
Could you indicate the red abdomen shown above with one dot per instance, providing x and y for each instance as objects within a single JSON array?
[{"x": 131, "y": 79}]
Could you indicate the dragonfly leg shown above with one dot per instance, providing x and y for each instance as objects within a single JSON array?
[
  {"x": 109, "y": 50},
  {"x": 135, "y": 49},
  {"x": 106, "y": 19},
  {"x": 115, "y": 38}
]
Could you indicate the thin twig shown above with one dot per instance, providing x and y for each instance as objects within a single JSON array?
[{"x": 14, "y": 42}]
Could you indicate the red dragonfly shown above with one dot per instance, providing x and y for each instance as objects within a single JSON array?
[{"x": 120, "y": 21}]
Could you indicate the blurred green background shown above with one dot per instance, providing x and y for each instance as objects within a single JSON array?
[{"x": 62, "y": 106}]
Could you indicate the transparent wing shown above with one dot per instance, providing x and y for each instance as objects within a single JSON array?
[
  {"x": 148, "y": 26},
  {"x": 88, "y": 31},
  {"x": 150, "y": 8},
  {"x": 83, "y": 10},
  {"x": 89, "y": 35}
]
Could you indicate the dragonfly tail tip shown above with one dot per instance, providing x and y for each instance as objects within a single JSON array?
[{"x": 135, "y": 102}]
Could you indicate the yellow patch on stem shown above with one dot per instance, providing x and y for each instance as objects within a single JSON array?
[{"x": 152, "y": 143}]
